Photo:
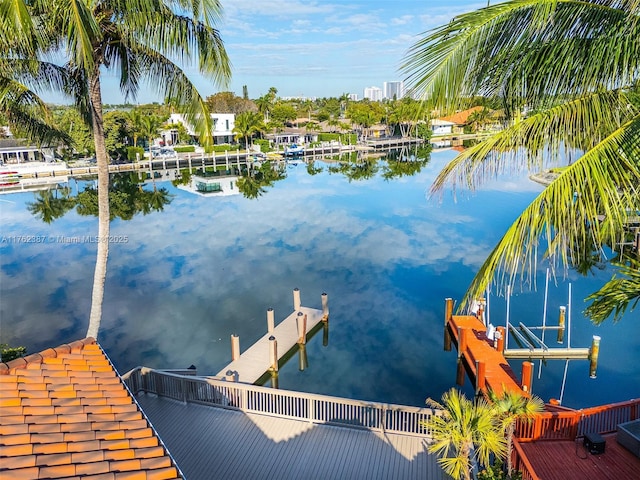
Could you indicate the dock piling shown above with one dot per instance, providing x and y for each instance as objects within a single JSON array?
[
  {"x": 527, "y": 372},
  {"x": 481, "y": 370},
  {"x": 235, "y": 347},
  {"x": 271, "y": 322},
  {"x": 561, "y": 322},
  {"x": 499, "y": 335},
  {"x": 325, "y": 307},
  {"x": 296, "y": 299},
  {"x": 462, "y": 340},
  {"x": 273, "y": 353},
  {"x": 593, "y": 356},
  {"x": 301, "y": 321}
]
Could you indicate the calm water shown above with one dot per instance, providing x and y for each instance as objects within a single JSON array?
[{"x": 208, "y": 267}]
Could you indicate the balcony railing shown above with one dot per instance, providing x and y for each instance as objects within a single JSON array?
[{"x": 281, "y": 403}]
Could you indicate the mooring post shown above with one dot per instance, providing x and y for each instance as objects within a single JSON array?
[
  {"x": 235, "y": 347},
  {"x": 462, "y": 340},
  {"x": 527, "y": 372},
  {"x": 325, "y": 307},
  {"x": 296, "y": 299},
  {"x": 481, "y": 369},
  {"x": 593, "y": 356},
  {"x": 460, "y": 372},
  {"x": 499, "y": 335},
  {"x": 273, "y": 353},
  {"x": 271, "y": 322},
  {"x": 301, "y": 321},
  {"x": 561, "y": 322},
  {"x": 448, "y": 310}
]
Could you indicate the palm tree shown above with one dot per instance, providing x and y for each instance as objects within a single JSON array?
[
  {"x": 463, "y": 433},
  {"x": 512, "y": 407},
  {"x": 580, "y": 102},
  {"x": 149, "y": 127},
  {"x": 136, "y": 39},
  {"x": 246, "y": 125}
]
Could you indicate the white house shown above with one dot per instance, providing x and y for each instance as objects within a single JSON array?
[
  {"x": 223, "y": 125},
  {"x": 441, "y": 127}
]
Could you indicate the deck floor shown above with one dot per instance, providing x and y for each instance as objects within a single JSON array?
[
  {"x": 211, "y": 442},
  {"x": 569, "y": 460}
]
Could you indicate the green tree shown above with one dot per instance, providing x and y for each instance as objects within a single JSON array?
[
  {"x": 149, "y": 129},
  {"x": 246, "y": 125},
  {"x": 512, "y": 407},
  {"x": 462, "y": 433},
  {"x": 283, "y": 112},
  {"x": 135, "y": 39},
  {"x": 68, "y": 119},
  {"x": 580, "y": 100},
  {"x": 116, "y": 129},
  {"x": 229, "y": 102}
]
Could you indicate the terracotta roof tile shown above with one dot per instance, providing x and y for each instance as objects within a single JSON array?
[{"x": 65, "y": 414}]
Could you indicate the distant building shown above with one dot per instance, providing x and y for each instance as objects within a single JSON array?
[
  {"x": 393, "y": 90},
  {"x": 373, "y": 93},
  {"x": 222, "y": 132},
  {"x": 353, "y": 97}
]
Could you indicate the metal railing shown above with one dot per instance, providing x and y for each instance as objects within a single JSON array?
[{"x": 281, "y": 403}]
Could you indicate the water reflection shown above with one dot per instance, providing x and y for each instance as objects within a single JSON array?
[
  {"x": 127, "y": 197},
  {"x": 208, "y": 266}
]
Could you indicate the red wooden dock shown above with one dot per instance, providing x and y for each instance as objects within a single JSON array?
[{"x": 478, "y": 353}]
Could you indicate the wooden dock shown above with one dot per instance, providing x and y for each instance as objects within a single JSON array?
[
  {"x": 486, "y": 366},
  {"x": 264, "y": 355}
]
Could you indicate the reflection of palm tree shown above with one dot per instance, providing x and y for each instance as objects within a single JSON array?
[
  {"x": 48, "y": 207},
  {"x": 253, "y": 182}
]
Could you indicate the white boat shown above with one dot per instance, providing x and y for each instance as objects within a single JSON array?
[{"x": 294, "y": 149}]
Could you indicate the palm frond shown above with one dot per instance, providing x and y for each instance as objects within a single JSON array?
[
  {"x": 540, "y": 140},
  {"x": 526, "y": 51},
  {"x": 615, "y": 296},
  {"x": 588, "y": 202}
]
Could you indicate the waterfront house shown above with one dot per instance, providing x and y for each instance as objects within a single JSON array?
[{"x": 222, "y": 131}]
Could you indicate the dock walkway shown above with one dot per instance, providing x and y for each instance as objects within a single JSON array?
[
  {"x": 258, "y": 359},
  {"x": 497, "y": 375}
]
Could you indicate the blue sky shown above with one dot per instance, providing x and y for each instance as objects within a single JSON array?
[{"x": 315, "y": 48}]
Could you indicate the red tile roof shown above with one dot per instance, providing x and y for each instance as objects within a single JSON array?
[
  {"x": 65, "y": 413},
  {"x": 461, "y": 118}
]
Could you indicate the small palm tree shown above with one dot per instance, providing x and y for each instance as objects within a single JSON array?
[
  {"x": 463, "y": 433},
  {"x": 511, "y": 407}
]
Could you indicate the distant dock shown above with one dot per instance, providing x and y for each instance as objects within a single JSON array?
[{"x": 264, "y": 355}]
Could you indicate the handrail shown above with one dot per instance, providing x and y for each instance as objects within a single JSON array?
[
  {"x": 521, "y": 462},
  {"x": 309, "y": 407},
  {"x": 567, "y": 425}
]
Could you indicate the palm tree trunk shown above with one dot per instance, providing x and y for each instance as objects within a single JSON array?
[{"x": 103, "y": 205}]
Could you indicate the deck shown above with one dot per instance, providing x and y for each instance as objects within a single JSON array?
[
  {"x": 256, "y": 360},
  {"x": 569, "y": 460},
  {"x": 214, "y": 442},
  {"x": 498, "y": 374}
]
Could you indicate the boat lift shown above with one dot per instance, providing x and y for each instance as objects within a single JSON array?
[{"x": 532, "y": 346}]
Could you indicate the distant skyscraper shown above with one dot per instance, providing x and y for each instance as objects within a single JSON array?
[
  {"x": 393, "y": 89},
  {"x": 373, "y": 93},
  {"x": 353, "y": 97}
]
